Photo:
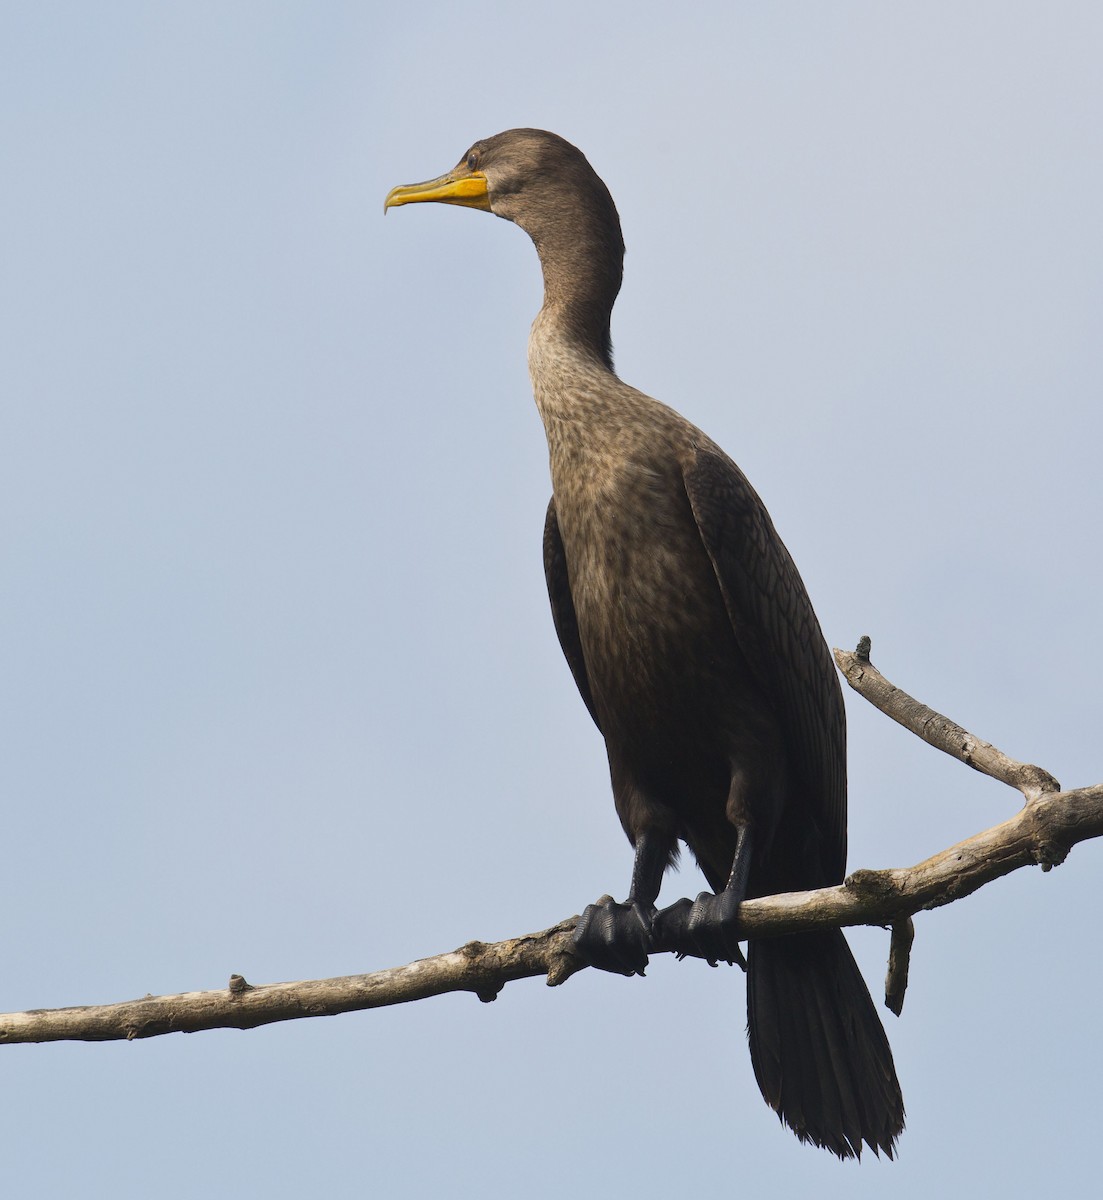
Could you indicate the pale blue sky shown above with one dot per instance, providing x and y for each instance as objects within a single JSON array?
[{"x": 281, "y": 691}]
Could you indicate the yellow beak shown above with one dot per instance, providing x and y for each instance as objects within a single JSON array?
[{"x": 468, "y": 190}]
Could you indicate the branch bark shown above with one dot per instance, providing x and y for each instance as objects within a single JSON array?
[
  {"x": 937, "y": 730},
  {"x": 1041, "y": 834}
]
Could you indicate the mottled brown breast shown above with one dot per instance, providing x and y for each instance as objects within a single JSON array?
[{"x": 660, "y": 655}]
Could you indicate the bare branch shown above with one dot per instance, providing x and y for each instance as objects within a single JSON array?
[
  {"x": 900, "y": 953},
  {"x": 1041, "y": 833},
  {"x": 938, "y": 730},
  {"x": 477, "y": 967}
]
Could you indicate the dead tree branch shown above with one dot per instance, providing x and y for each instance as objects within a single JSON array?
[
  {"x": 937, "y": 730},
  {"x": 1040, "y": 834}
]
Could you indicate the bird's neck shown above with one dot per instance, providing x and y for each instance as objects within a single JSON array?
[
  {"x": 570, "y": 373},
  {"x": 582, "y": 266}
]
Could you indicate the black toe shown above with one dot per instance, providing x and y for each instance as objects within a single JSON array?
[
  {"x": 615, "y": 937},
  {"x": 707, "y": 928}
]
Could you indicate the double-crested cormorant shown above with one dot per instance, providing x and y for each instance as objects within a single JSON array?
[{"x": 694, "y": 645}]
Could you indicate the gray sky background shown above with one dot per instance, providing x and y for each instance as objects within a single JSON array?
[{"x": 280, "y": 690}]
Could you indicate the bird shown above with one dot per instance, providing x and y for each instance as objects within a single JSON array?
[{"x": 695, "y": 648}]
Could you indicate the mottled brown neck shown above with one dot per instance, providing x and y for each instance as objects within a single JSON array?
[{"x": 581, "y": 257}]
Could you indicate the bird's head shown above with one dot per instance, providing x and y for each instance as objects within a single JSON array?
[
  {"x": 529, "y": 176},
  {"x": 542, "y": 183}
]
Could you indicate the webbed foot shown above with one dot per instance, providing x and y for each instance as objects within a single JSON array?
[
  {"x": 615, "y": 937},
  {"x": 707, "y": 928}
]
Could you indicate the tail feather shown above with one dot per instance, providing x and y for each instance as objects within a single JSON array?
[{"x": 820, "y": 1056}]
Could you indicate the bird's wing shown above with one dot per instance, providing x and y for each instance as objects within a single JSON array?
[
  {"x": 562, "y": 606},
  {"x": 778, "y": 634}
]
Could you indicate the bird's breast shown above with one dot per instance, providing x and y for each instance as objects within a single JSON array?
[{"x": 654, "y": 630}]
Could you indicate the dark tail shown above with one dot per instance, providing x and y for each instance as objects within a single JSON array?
[{"x": 820, "y": 1055}]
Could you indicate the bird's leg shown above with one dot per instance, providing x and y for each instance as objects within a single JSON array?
[
  {"x": 708, "y": 927},
  {"x": 617, "y": 937}
]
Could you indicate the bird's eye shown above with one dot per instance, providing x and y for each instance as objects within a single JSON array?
[{"x": 472, "y": 161}]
